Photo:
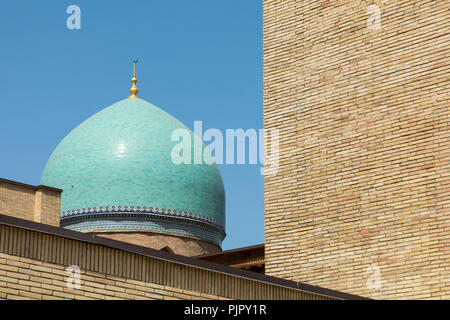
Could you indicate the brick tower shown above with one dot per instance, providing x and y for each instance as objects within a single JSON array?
[{"x": 359, "y": 92}]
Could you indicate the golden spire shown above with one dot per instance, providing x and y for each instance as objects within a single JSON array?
[{"x": 134, "y": 90}]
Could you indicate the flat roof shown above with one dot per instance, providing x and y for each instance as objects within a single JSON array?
[
  {"x": 30, "y": 186},
  {"x": 153, "y": 253},
  {"x": 235, "y": 250}
]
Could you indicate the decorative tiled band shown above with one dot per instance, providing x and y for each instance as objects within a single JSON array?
[
  {"x": 141, "y": 209},
  {"x": 134, "y": 223}
]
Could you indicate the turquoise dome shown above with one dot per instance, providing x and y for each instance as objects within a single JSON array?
[{"x": 117, "y": 174}]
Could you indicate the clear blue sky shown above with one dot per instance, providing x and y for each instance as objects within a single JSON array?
[{"x": 198, "y": 60}]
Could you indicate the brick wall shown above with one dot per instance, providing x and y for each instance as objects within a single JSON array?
[
  {"x": 41, "y": 204},
  {"x": 34, "y": 265},
  {"x": 18, "y": 201},
  {"x": 22, "y": 278},
  {"x": 177, "y": 244},
  {"x": 363, "y": 186}
]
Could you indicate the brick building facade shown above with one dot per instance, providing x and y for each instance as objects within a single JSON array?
[{"x": 359, "y": 92}]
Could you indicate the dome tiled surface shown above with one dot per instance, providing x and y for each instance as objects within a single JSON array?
[{"x": 117, "y": 174}]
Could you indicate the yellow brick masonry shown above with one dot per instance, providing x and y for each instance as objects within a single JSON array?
[
  {"x": 23, "y": 278},
  {"x": 364, "y": 118},
  {"x": 41, "y": 204}
]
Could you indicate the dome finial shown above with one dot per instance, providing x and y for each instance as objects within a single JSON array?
[{"x": 134, "y": 90}]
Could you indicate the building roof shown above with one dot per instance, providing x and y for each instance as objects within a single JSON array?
[
  {"x": 192, "y": 262},
  {"x": 39, "y": 187},
  {"x": 256, "y": 247},
  {"x": 249, "y": 258},
  {"x": 119, "y": 172}
]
